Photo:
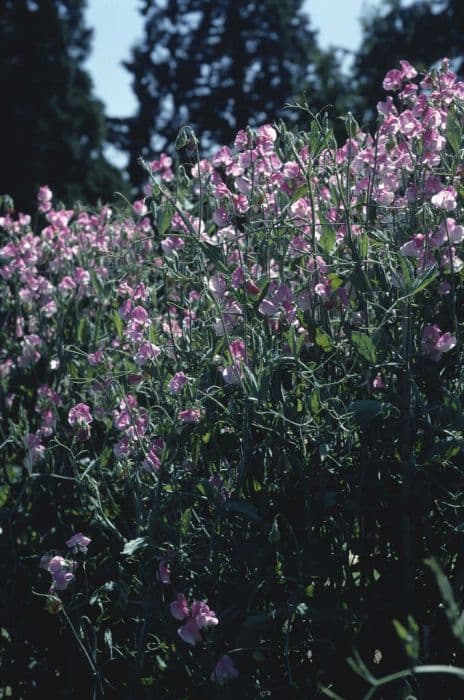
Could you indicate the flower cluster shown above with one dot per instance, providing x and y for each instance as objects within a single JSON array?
[
  {"x": 197, "y": 617},
  {"x": 62, "y": 570}
]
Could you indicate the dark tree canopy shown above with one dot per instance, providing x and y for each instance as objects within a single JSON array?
[
  {"x": 421, "y": 33},
  {"x": 219, "y": 65},
  {"x": 53, "y": 128}
]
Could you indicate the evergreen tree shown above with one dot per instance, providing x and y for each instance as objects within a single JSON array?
[
  {"x": 53, "y": 129},
  {"x": 422, "y": 33},
  {"x": 219, "y": 65}
]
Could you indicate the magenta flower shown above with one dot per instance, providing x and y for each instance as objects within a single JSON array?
[
  {"x": 179, "y": 608},
  {"x": 203, "y": 615},
  {"x": 60, "y": 569},
  {"x": 378, "y": 382},
  {"x": 445, "y": 199},
  {"x": 44, "y": 198},
  {"x": 172, "y": 244},
  {"x": 224, "y": 670},
  {"x": 152, "y": 461},
  {"x": 434, "y": 343},
  {"x": 177, "y": 383},
  {"x": 139, "y": 208},
  {"x": 163, "y": 573},
  {"x": 190, "y": 632},
  {"x": 199, "y": 617},
  {"x": 79, "y": 542},
  {"x": 146, "y": 352},
  {"x": 190, "y": 415},
  {"x": 80, "y": 417}
]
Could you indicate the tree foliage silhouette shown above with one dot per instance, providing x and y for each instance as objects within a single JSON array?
[
  {"x": 219, "y": 65},
  {"x": 53, "y": 128}
]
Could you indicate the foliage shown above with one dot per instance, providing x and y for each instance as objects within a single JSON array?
[
  {"x": 232, "y": 420},
  {"x": 55, "y": 127}
]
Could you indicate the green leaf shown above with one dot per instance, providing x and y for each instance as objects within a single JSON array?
[
  {"x": 409, "y": 636},
  {"x": 4, "y": 494},
  {"x": 300, "y": 192},
  {"x": 185, "y": 521},
  {"x": 133, "y": 546},
  {"x": 244, "y": 508},
  {"x": 453, "y": 132},
  {"x": 314, "y": 402},
  {"x": 302, "y": 610},
  {"x": 214, "y": 255},
  {"x": 423, "y": 281},
  {"x": 328, "y": 238},
  {"x": 81, "y": 328},
  {"x": 295, "y": 342},
  {"x": 309, "y": 590},
  {"x": 407, "y": 273},
  {"x": 323, "y": 340},
  {"x": 117, "y": 323},
  {"x": 363, "y": 245},
  {"x": 366, "y": 410},
  {"x": 274, "y": 533},
  {"x": 163, "y": 219},
  {"x": 364, "y": 346},
  {"x": 453, "y": 612}
]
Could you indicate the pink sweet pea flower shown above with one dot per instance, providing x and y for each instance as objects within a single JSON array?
[
  {"x": 80, "y": 417},
  {"x": 163, "y": 573},
  {"x": 434, "y": 343},
  {"x": 59, "y": 569},
  {"x": 179, "y": 608},
  {"x": 152, "y": 462},
  {"x": 44, "y": 197},
  {"x": 378, "y": 382},
  {"x": 445, "y": 199},
  {"x": 190, "y": 632},
  {"x": 224, "y": 670},
  {"x": 146, "y": 352},
  {"x": 177, "y": 383},
  {"x": 139, "y": 208},
  {"x": 190, "y": 415},
  {"x": 203, "y": 615},
  {"x": 79, "y": 542},
  {"x": 241, "y": 140}
]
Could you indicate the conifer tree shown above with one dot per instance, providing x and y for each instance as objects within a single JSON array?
[
  {"x": 218, "y": 65},
  {"x": 53, "y": 128}
]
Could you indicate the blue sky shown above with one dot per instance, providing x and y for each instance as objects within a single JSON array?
[{"x": 117, "y": 25}]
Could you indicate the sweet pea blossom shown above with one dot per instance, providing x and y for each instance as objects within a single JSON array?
[
  {"x": 203, "y": 615},
  {"x": 44, "y": 197},
  {"x": 60, "y": 570},
  {"x": 146, "y": 352},
  {"x": 445, "y": 199},
  {"x": 177, "y": 382},
  {"x": 434, "y": 343},
  {"x": 163, "y": 573},
  {"x": 79, "y": 417},
  {"x": 224, "y": 670},
  {"x": 190, "y": 632},
  {"x": 179, "y": 608},
  {"x": 139, "y": 208},
  {"x": 79, "y": 542},
  {"x": 190, "y": 415},
  {"x": 152, "y": 461},
  {"x": 198, "y": 617}
]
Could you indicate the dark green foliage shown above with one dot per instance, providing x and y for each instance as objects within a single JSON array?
[{"x": 53, "y": 129}]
